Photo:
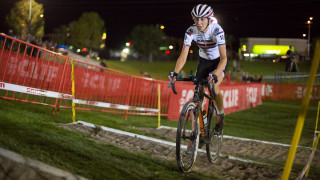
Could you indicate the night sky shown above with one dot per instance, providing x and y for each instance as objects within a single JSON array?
[{"x": 243, "y": 18}]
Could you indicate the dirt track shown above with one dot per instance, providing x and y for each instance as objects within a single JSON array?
[{"x": 229, "y": 169}]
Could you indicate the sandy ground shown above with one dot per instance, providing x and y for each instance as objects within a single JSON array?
[{"x": 261, "y": 154}]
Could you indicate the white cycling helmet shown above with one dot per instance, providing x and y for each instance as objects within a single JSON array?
[{"x": 202, "y": 10}]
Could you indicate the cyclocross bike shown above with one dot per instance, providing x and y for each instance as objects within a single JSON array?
[{"x": 192, "y": 127}]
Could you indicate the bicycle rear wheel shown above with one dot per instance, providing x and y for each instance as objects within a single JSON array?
[
  {"x": 213, "y": 146},
  {"x": 185, "y": 134}
]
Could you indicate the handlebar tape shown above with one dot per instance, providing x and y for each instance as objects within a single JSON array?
[{"x": 174, "y": 88}]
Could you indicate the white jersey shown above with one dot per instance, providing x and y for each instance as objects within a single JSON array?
[{"x": 208, "y": 42}]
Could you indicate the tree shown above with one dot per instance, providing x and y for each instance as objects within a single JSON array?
[
  {"x": 147, "y": 39},
  {"x": 18, "y": 19},
  {"x": 88, "y": 31},
  {"x": 63, "y": 34}
]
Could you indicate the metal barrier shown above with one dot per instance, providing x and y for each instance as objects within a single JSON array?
[
  {"x": 27, "y": 65},
  {"x": 290, "y": 77},
  {"x": 44, "y": 77}
]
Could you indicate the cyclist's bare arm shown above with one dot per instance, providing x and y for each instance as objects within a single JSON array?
[{"x": 181, "y": 60}]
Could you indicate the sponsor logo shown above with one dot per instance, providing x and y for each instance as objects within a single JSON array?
[
  {"x": 252, "y": 94},
  {"x": 230, "y": 98},
  {"x": 266, "y": 90},
  {"x": 2, "y": 85},
  {"x": 301, "y": 91},
  {"x": 273, "y": 51},
  {"x": 67, "y": 96},
  {"x": 94, "y": 103},
  {"x": 35, "y": 91},
  {"x": 216, "y": 30},
  {"x": 186, "y": 96},
  {"x": 204, "y": 40},
  {"x": 189, "y": 31}
]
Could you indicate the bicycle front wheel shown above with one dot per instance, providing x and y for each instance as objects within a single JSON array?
[
  {"x": 187, "y": 138},
  {"x": 213, "y": 146}
]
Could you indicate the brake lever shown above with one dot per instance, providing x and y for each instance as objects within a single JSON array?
[
  {"x": 171, "y": 84},
  {"x": 171, "y": 77},
  {"x": 210, "y": 83},
  {"x": 211, "y": 86}
]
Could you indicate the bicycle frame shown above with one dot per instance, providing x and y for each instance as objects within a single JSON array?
[
  {"x": 197, "y": 99},
  {"x": 198, "y": 133}
]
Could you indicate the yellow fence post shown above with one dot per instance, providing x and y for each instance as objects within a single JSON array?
[
  {"x": 73, "y": 104},
  {"x": 314, "y": 144},
  {"x": 159, "y": 107},
  {"x": 302, "y": 114}
]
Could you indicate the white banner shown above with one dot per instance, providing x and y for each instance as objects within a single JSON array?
[
  {"x": 40, "y": 92},
  {"x": 34, "y": 91}
]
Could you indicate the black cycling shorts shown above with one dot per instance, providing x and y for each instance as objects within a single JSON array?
[{"x": 206, "y": 66}]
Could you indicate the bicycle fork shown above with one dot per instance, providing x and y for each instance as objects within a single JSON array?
[{"x": 202, "y": 130}]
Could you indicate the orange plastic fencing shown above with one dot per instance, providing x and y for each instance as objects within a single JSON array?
[
  {"x": 27, "y": 65},
  {"x": 33, "y": 74}
]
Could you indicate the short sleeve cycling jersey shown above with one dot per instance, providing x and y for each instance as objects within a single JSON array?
[{"x": 208, "y": 42}]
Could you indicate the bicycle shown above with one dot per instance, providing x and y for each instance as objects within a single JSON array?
[{"x": 199, "y": 131}]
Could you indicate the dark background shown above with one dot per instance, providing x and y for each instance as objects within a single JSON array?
[{"x": 243, "y": 18}]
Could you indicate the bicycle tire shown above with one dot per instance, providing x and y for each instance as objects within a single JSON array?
[
  {"x": 214, "y": 140},
  {"x": 184, "y": 135}
]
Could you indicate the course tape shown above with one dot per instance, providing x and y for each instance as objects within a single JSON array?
[
  {"x": 34, "y": 91},
  {"x": 116, "y": 106},
  {"x": 41, "y": 92}
]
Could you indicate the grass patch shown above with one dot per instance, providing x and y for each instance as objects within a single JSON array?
[
  {"x": 272, "y": 121},
  {"x": 161, "y": 69},
  {"x": 28, "y": 129}
]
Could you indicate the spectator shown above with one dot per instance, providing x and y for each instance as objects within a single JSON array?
[
  {"x": 182, "y": 74},
  {"x": 247, "y": 78},
  {"x": 145, "y": 74},
  {"x": 257, "y": 78},
  {"x": 56, "y": 48},
  {"x": 191, "y": 72},
  {"x": 103, "y": 64},
  {"x": 289, "y": 59},
  {"x": 234, "y": 65}
]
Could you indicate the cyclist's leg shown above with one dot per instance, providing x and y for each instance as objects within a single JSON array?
[
  {"x": 219, "y": 98},
  {"x": 219, "y": 101}
]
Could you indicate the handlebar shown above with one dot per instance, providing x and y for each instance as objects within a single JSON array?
[
  {"x": 173, "y": 87},
  {"x": 195, "y": 81}
]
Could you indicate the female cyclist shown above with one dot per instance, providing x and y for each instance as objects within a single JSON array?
[{"x": 209, "y": 36}]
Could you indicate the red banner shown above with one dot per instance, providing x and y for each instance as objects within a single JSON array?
[
  {"x": 35, "y": 72},
  {"x": 290, "y": 92},
  {"x": 236, "y": 97}
]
